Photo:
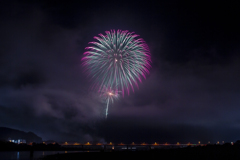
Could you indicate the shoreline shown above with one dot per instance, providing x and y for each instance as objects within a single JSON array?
[{"x": 206, "y": 152}]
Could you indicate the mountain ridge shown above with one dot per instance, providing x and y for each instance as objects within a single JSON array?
[{"x": 9, "y": 133}]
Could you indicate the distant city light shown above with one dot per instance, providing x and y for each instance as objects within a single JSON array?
[{"x": 18, "y": 141}]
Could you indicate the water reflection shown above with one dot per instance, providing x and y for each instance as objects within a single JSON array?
[{"x": 26, "y": 155}]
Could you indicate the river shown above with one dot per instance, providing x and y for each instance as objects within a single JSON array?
[{"x": 25, "y": 155}]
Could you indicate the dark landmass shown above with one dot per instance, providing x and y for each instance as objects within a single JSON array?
[
  {"x": 9, "y": 146},
  {"x": 6, "y": 133},
  {"x": 210, "y": 152}
]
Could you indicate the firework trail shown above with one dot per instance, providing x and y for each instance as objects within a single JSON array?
[
  {"x": 109, "y": 95},
  {"x": 117, "y": 59}
]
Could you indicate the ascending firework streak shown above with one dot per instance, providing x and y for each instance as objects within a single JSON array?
[
  {"x": 109, "y": 95},
  {"x": 117, "y": 59}
]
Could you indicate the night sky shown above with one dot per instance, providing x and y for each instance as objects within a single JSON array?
[{"x": 191, "y": 94}]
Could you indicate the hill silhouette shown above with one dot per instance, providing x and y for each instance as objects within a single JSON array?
[{"x": 6, "y": 133}]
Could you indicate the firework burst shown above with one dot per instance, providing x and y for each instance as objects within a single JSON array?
[{"x": 117, "y": 58}]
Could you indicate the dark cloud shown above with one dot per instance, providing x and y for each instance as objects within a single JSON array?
[
  {"x": 42, "y": 87},
  {"x": 128, "y": 131},
  {"x": 191, "y": 93}
]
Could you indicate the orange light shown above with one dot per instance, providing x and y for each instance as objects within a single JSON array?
[
  {"x": 177, "y": 143},
  {"x": 76, "y": 144}
]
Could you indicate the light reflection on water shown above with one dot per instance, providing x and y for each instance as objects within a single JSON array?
[{"x": 25, "y": 155}]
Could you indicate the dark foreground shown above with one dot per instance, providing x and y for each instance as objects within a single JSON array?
[{"x": 206, "y": 153}]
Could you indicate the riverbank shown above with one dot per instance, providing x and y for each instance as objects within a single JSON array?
[{"x": 206, "y": 153}]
